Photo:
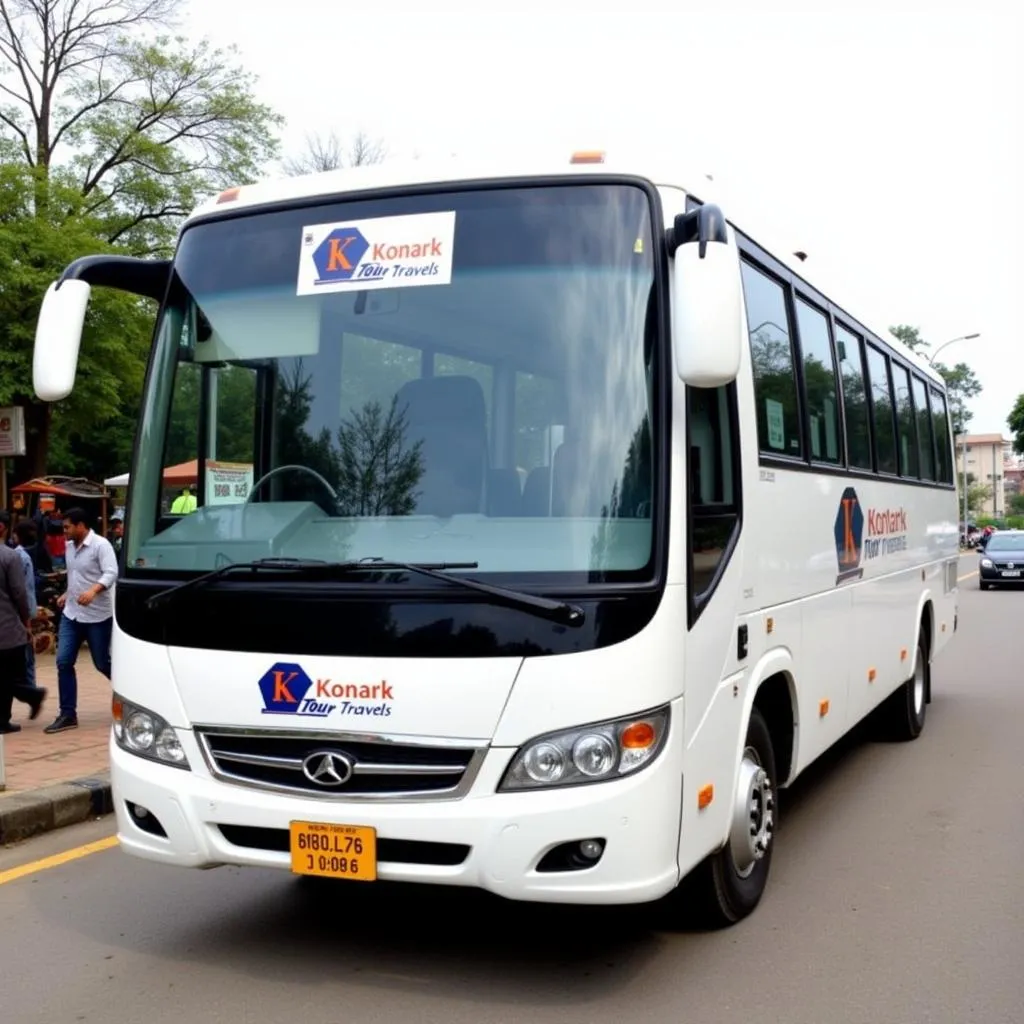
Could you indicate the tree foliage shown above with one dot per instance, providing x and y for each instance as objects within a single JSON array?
[
  {"x": 1016, "y": 424},
  {"x": 910, "y": 336},
  {"x": 962, "y": 385},
  {"x": 111, "y": 129},
  {"x": 114, "y": 343},
  {"x": 378, "y": 471},
  {"x": 102, "y": 100},
  {"x": 977, "y": 495}
]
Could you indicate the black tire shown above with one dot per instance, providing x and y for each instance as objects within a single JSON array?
[
  {"x": 904, "y": 713},
  {"x": 717, "y": 894},
  {"x": 982, "y": 585}
]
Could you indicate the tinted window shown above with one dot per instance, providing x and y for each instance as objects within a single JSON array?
[
  {"x": 881, "y": 399},
  {"x": 819, "y": 383},
  {"x": 714, "y": 483},
  {"x": 924, "y": 430},
  {"x": 943, "y": 437},
  {"x": 909, "y": 461},
  {"x": 394, "y": 409},
  {"x": 778, "y": 416},
  {"x": 851, "y": 372}
]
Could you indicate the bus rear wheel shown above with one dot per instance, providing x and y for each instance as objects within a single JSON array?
[
  {"x": 727, "y": 886},
  {"x": 904, "y": 712}
]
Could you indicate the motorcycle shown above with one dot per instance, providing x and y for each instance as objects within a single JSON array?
[{"x": 49, "y": 587}]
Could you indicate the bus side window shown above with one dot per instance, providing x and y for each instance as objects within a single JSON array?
[
  {"x": 855, "y": 399},
  {"x": 771, "y": 351},
  {"x": 943, "y": 437},
  {"x": 714, "y": 484},
  {"x": 883, "y": 407},
  {"x": 925, "y": 441}
]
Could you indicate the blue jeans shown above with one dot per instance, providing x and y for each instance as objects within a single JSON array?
[{"x": 72, "y": 635}]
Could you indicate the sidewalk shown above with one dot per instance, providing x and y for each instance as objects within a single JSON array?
[{"x": 55, "y": 780}]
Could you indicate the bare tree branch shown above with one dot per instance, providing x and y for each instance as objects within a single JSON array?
[
  {"x": 146, "y": 215},
  {"x": 328, "y": 154},
  {"x": 22, "y": 134}
]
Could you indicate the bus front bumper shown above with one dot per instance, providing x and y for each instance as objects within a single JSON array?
[{"x": 488, "y": 840}]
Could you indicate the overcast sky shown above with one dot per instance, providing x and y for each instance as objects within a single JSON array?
[{"x": 885, "y": 140}]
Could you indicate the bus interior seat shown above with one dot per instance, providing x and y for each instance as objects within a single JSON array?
[
  {"x": 504, "y": 497},
  {"x": 570, "y": 488},
  {"x": 449, "y": 416},
  {"x": 537, "y": 492}
]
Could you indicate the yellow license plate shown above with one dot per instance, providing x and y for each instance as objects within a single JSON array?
[{"x": 334, "y": 851}]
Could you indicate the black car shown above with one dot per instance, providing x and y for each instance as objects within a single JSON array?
[{"x": 1002, "y": 559}]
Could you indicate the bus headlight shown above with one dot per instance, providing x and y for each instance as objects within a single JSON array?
[
  {"x": 590, "y": 753},
  {"x": 145, "y": 734}
]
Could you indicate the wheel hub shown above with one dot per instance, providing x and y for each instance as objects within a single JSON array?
[{"x": 753, "y": 818}]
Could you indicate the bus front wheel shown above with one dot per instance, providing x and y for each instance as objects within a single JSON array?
[{"x": 727, "y": 886}]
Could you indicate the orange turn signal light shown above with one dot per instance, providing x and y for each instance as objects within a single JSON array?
[
  {"x": 638, "y": 736},
  {"x": 587, "y": 156},
  {"x": 705, "y": 796},
  {"x": 228, "y": 195}
]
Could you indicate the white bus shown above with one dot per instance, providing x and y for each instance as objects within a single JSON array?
[{"x": 546, "y": 525}]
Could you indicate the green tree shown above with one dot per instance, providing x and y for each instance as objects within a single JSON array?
[
  {"x": 1016, "y": 504},
  {"x": 295, "y": 445},
  {"x": 977, "y": 495},
  {"x": 100, "y": 99},
  {"x": 910, "y": 336},
  {"x": 961, "y": 382},
  {"x": 378, "y": 474},
  {"x": 1016, "y": 423},
  {"x": 962, "y": 385},
  {"x": 110, "y": 131},
  {"x": 115, "y": 338}
]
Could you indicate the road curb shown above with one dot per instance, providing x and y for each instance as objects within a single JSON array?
[{"x": 29, "y": 813}]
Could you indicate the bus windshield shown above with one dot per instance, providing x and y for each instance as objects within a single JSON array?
[{"x": 460, "y": 377}]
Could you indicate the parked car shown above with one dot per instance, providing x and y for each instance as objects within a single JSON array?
[{"x": 1002, "y": 559}]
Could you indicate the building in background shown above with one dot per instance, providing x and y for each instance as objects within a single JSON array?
[{"x": 987, "y": 455}]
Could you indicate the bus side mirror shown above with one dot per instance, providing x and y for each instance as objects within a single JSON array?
[
  {"x": 707, "y": 299},
  {"x": 58, "y": 337}
]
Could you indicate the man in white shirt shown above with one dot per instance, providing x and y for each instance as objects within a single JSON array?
[{"x": 88, "y": 610}]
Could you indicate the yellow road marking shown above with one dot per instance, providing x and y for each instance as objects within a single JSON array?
[
  {"x": 960, "y": 579},
  {"x": 13, "y": 874}
]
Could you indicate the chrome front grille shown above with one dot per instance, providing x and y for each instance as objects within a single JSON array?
[{"x": 348, "y": 766}]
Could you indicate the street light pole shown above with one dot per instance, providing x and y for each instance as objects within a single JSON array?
[
  {"x": 963, "y": 424},
  {"x": 945, "y": 344}
]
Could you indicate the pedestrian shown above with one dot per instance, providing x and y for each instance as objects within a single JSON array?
[
  {"x": 88, "y": 610},
  {"x": 28, "y": 536},
  {"x": 185, "y": 502},
  {"x": 22, "y": 532},
  {"x": 14, "y": 629}
]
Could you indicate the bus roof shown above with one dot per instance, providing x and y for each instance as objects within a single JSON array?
[{"x": 458, "y": 171}]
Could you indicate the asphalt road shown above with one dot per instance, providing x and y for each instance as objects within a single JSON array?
[{"x": 896, "y": 898}]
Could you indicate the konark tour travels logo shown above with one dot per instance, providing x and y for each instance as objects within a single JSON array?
[
  {"x": 287, "y": 689},
  {"x": 886, "y": 533}
]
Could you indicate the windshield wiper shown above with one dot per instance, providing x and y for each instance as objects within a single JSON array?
[
  {"x": 557, "y": 611},
  {"x": 293, "y": 565}
]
